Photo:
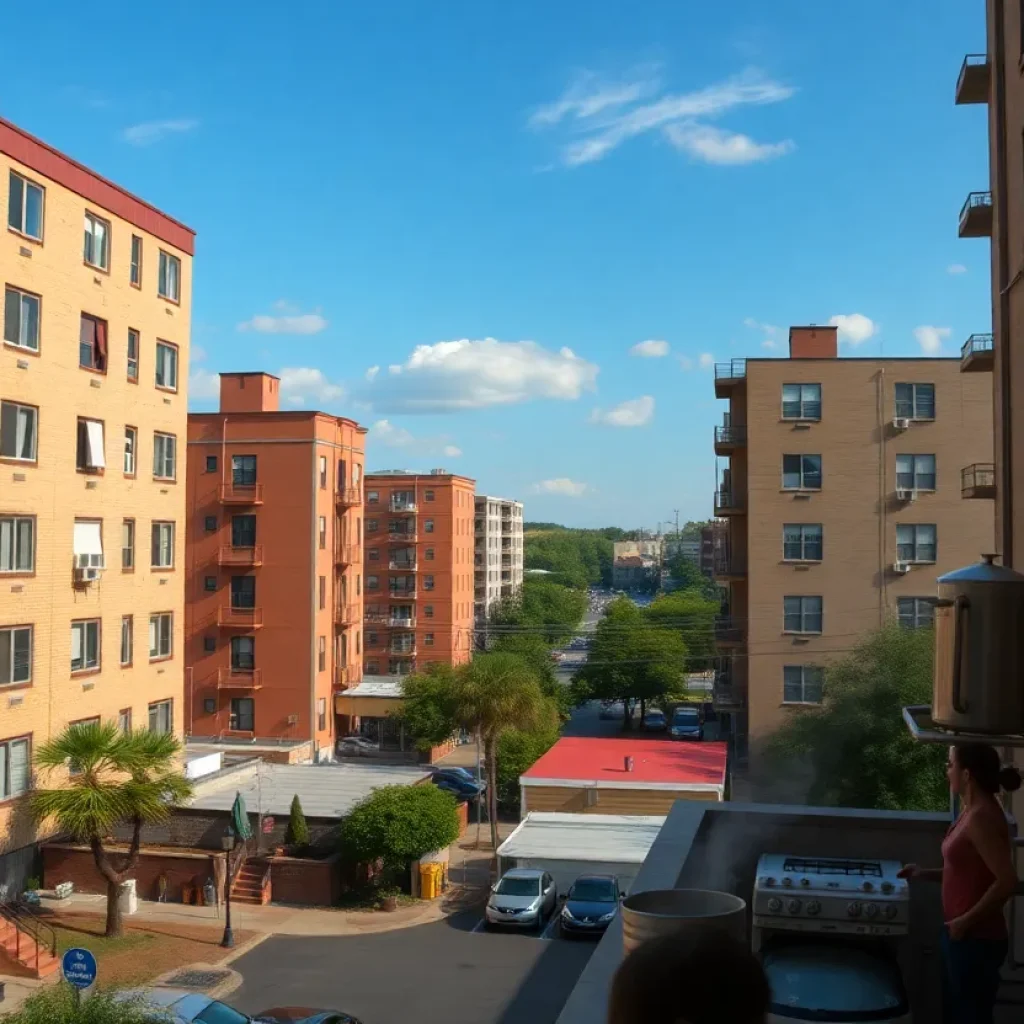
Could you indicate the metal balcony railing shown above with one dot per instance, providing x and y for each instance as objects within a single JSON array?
[
  {"x": 725, "y": 501},
  {"x": 976, "y": 215},
  {"x": 732, "y": 370},
  {"x": 730, "y": 435},
  {"x": 728, "y": 630},
  {"x": 241, "y": 494},
  {"x": 726, "y": 564},
  {"x": 402, "y": 650},
  {"x": 976, "y": 343},
  {"x": 402, "y": 537},
  {"x": 972, "y": 84},
  {"x": 348, "y": 496},
  {"x": 239, "y": 679},
  {"x": 399, "y": 507},
  {"x": 346, "y": 614},
  {"x": 234, "y": 556},
  {"x": 402, "y": 565},
  {"x": 230, "y": 617},
  {"x": 402, "y": 622}
]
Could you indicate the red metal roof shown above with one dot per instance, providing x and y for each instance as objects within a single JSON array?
[{"x": 588, "y": 759}]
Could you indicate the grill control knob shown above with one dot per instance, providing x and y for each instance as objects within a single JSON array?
[
  {"x": 853, "y": 909},
  {"x": 890, "y": 911},
  {"x": 769, "y": 881},
  {"x": 887, "y": 887},
  {"x": 805, "y": 882},
  {"x": 871, "y": 910},
  {"x": 775, "y": 905},
  {"x": 793, "y": 906},
  {"x": 867, "y": 887},
  {"x": 813, "y": 908},
  {"x": 787, "y": 882}
]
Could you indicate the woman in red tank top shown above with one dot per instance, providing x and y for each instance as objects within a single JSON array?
[{"x": 977, "y": 877}]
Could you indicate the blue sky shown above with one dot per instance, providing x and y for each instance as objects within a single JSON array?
[{"x": 493, "y": 204}]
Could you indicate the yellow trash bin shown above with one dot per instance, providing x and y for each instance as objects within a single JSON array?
[{"x": 430, "y": 881}]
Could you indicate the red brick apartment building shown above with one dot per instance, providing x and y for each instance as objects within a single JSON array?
[{"x": 274, "y": 560}]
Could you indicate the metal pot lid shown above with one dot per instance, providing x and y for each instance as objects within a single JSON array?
[{"x": 985, "y": 571}]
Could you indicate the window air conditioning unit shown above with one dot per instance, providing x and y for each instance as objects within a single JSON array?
[
  {"x": 905, "y": 494},
  {"x": 901, "y": 423},
  {"x": 901, "y": 568},
  {"x": 87, "y": 574},
  {"x": 293, "y": 719}
]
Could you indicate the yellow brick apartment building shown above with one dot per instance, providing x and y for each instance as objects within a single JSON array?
[{"x": 93, "y": 366}]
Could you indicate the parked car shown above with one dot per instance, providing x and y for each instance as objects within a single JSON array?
[
  {"x": 356, "y": 746},
  {"x": 179, "y": 1006},
  {"x": 458, "y": 772},
  {"x": 523, "y": 898},
  {"x": 590, "y": 905},
  {"x": 461, "y": 789},
  {"x": 655, "y": 721},
  {"x": 686, "y": 724},
  {"x": 305, "y": 1015}
]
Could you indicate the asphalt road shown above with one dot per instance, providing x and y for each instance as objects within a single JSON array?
[{"x": 440, "y": 973}]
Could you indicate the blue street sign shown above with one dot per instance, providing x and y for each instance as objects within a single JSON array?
[{"x": 79, "y": 967}]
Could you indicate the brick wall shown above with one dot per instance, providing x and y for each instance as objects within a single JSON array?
[{"x": 310, "y": 883}]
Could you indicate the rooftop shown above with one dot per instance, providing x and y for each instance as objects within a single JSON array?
[
  {"x": 657, "y": 763},
  {"x": 620, "y": 838},
  {"x": 376, "y": 686}
]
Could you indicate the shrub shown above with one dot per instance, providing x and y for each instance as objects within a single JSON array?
[
  {"x": 59, "y": 1005},
  {"x": 297, "y": 833}
]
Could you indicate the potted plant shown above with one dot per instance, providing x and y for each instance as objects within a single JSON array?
[{"x": 388, "y": 897}]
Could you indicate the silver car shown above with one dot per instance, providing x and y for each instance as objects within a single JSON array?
[
  {"x": 179, "y": 1006},
  {"x": 523, "y": 898}
]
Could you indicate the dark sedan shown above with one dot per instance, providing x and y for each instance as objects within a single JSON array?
[
  {"x": 303, "y": 1015},
  {"x": 590, "y": 905}
]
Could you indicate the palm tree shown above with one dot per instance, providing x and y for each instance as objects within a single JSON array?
[
  {"x": 494, "y": 693},
  {"x": 112, "y": 777}
]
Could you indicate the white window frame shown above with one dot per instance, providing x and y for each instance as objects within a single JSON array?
[
  {"x": 805, "y": 614},
  {"x": 132, "y": 366},
  {"x": 131, "y": 448},
  {"x": 17, "y": 318},
  {"x": 161, "y": 544},
  {"x": 166, "y": 353},
  {"x": 85, "y": 627},
  {"x": 910, "y": 480},
  {"x": 9, "y": 636},
  {"x": 805, "y": 542},
  {"x": 165, "y": 456},
  {"x": 915, "y": 543},
  {"x": 28, "y": 414},
  {"x": 168, "y": 285},
  {"x": 86, "y": 554},
  {"x": 161, "y": 636},
  {"x": 913, "y": 618},
  {"x": 158, "y": 708},
  {"x": 12, "y": 544},
  {"x": 8, "y": 789},
  {"x": 802, "y": 485},
  {"x": 908, "y": 407},
  {"x": 92, "y": 222},
  {"x": 127, "y": 639},
  {"x": 817, "y": 683},
  {"x": 91, "y": 443},
  {"x": 26, "y": 184},
  {"x": 135, "y": 266},
  {"x": 806, "y": 404}
]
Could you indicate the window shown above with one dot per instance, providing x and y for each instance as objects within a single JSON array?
[
  {"x": 801, "y": 542},
  {"x": 131, "y": 438},
  {"x": 133, "y": 356},
  {"x": 25, "y": 207},
  {"x": 210, "y": 524},
  {"x": 428, "y": 639},
  {"x": 372, "y": 582},
  {"x": 373, "y": 554},
  {"x": 371, "y": 526},
  {"x": 85, "y": 645},
  {"x": 97, "y": 242},
  {"x": 14, "y": 768},
  {"x": 321, "y": 713},
  {"x": 243, "y": 470},
  {"x": 801, "y": 401},
  {"x": 165, "y": 456},
  {"x": 915, "y": 401},
  {"x": 914, "y": 612},
  {"x": 92, "y": 343},
  {"x": 323, "y": 472},
  {"x": 87, "y": 544},
  {"x": 371, "y": 638},
  {"x": 18, "y": 430},
  {"x": 243, "y": 591},
  {"x": 802, "y": 614},
  {"x": 17, "y": 544},
  {"x": 161, "y": 630},
  {"x": 166, "y": 366},
  {"x": 211, "y": 463},
  {"x": 358, "y": 641},
  {"x": 429, "y": 554},
  {"x": 428, "y": 495},
  {"x": 801, "y": 472},
  {"x": 243, "y": 714},
  {"x": 169, "y": 282},
  {"x": 321, "y": 654},
  {"x": 428, "y": 611},
  {"x": 323, "y": 592},
  {"x": 124, "y": 720},
  {"x": 428, "y": 582},
  {"x": 162, "y": 546},
  {"x": 89, "y": 454},
  {"x": 127, "y": 629},
  {"x": 372, "y": 497},
  {"x": 802, "y": 684},
  {"x": 21, "y": 319},
  {"x": 428, "y": 526},
  {"x": 128, "y": 544},
  {"x": 322, "y": 531},
  {"x": 209, "y": 644},
  {"x": 210, "y": 583},
  {"x": 161, "y": 716},
  {"x": 915, "y": 472},
  {"x": 916, "y": 542},
  {"x": 243, "y": 531},
  {"x": 243, "y": 653},
  {"x": 15, "y": 655},
  {"x": 135, "y": 273},
  {"x": 209, "y": 705}
]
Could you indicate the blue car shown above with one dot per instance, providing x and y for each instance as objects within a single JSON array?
[
  {"x": 686, "y": 724},
  {"x": 460, "y": 788}
]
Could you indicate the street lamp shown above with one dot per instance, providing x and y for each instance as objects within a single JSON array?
[{"x": 227, "y": 844}]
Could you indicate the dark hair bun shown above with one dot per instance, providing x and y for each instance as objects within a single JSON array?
[{"x": 1009, "y": 779}]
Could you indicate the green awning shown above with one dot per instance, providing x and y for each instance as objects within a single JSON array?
[{"x": 240, "y": 818}]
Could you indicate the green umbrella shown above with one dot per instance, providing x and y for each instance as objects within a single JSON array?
[{"x": 240, "y": 818}]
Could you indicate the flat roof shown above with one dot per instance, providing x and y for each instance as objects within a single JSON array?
[
  {"x": 375, "y": 686},
  {"x": 622, "y": 838},
  {"x": 657, "y": 764},
  {"x": 326, "y": 790}
]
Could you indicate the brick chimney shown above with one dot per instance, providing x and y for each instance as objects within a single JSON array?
[
  {"x": 249, "y": 392},
  {"x": 813, "y": 342}
]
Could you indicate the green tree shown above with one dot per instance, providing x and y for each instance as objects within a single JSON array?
[
  {"x": 855, "y": 745},
  {"x": 537, "y": 654},
  {"x": 552, "y": 610},
  {"x": 297, "y": 832},
  {"x": 691, "y": 615},
  {"x": 518, "y": 750},
  {"x": 59, "y": 1004},
  {"x": 687, "y": 576},
  {"x": 117, "y": 777},
  {"x": 429, "y": 708},
  {"x": 399, "y": 824}
]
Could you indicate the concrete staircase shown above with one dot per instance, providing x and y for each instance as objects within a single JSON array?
[
  {"x": 248, "y": 885},
  {"x": 23, "y": 954}
]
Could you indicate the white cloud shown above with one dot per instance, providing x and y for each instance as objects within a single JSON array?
[
  {"x": 393, "y": 436},
  {"x": 706, "y": 361},
  {"x": 562, "y": 486},
  {"x": 303, "y": 384},
  {"x": 197, "y": 354},
  {"x": 717, "y": 146},
  {"x": 769, "y": 344},
  {"x": 956, "y": 268},
  {"x": 452, "y": 451},
  {"x": 636, "y": 412},
  {"x": 203, "y": 385},
  {"x": 148, "y": 132},
  {"x": 454, "y": 375},
  {"x": 650, "y": 349},
  {"x": 770, "y": 332},
  {"x": 372, "y": 372},
  {"x": 931, "y": 338},
  {"x": 604, "y": 115},
  {"x": 289, "y": 323},
  {"x": 854, "y": 328}
]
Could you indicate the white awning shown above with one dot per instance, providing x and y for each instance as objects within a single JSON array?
[
  {"x": 76, "y": 644},
  {"x": 88, "y": 540},
  {"x": 94, "y": 439}
]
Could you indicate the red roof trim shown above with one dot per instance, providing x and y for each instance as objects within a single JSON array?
[{"x": 52, "y": 164}]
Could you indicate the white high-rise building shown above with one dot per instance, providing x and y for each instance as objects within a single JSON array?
[{"x": 498, "y": 563}]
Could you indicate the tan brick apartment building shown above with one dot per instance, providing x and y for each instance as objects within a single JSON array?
[
  {"x": 274, "y": 539},
  {"x": 841, "y": 500},
  {"x": 93, "y": 367}
]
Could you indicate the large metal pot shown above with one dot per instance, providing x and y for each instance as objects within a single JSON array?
[
  {"x": 646, "y": 915},
  {"x": 979, "y": 650}
]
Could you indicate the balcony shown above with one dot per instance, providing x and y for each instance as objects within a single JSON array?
[
  {"x": 239, "y": 618},
  {"x": 977, "y": 354},
  {"x": 972, "y": 85},
  {"x": 375, "y": 617},
  {"x": 402, "y": 650},
  {"x": 728, "y": 567},
  {"x": 402, "y": 537},
  {"x": 978, "y": 480},
  {"x": 346, "y": 614},
  {"x": 402, "y": 594},
  {"x": 401, "y": 507},
  {"x": 345, "y": 675},
  {"x": 346, "y": 554},
  {"x": 348, "y": 497},
  {"x": 727, "y": 504},
  {"x": 976, "y": 216},
  {"x": 241, "y": 494},
  {"x": 726, "y": 693},
  {"x": 402, "y": 621},
  {"x": 728, "y": 632},
  {"x": 729, "y": 439},
  {"x": 402, "y": 565},
  {"x": 728, "y": 376},
  {"x": 241, "y": 557},
  {"x": 239, "y": 679}
]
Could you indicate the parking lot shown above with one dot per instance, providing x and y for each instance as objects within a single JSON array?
[{"x": 448, "y": 972}]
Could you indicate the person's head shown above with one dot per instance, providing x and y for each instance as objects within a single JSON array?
[
  {"x": 975, "y": 767},
  {"x": 690, "y": 978}
]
